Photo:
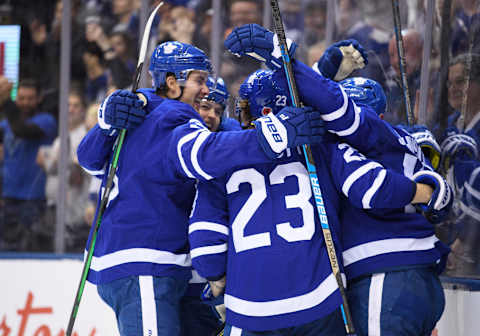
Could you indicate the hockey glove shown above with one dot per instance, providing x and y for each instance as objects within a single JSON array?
[
  {"x": 441, "y": 201},
  {"x": 291, "y": 127},
  {"x": 121, "y": 109},
  {"x": 259, "y": 43},
  {"x": 426, "y": 140},
  {"x": 458, "y": 146},
  {"x": 341, "y": 59},
  {"x": 208, "y": 297}
]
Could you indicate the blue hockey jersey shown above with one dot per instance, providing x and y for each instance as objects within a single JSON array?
[
  {"x": 144, "y": 227},
  {"x": 258, "y": 225},
  {"x": 373, "y": 240}
]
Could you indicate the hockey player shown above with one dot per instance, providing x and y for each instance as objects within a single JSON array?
[
  {"x": 389, "y": 255},
  {"x": 213, "y": 106},
  {"x": 141, "y": 263},
  {"x": 263, "y": 216},
  {"x": 461, "y": 163}
]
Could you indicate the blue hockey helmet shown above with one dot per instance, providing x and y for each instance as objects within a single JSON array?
[
  {"x": 218, "y": 91},
  {"x": 177, "y": 58},
  {"x": 263, "y": 94},
  {"x": 365, "y": 91}
]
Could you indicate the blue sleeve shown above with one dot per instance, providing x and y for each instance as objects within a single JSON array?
[
  {"x": 366, "y": 183},
  {"x": 357, "y": 125},
  {"x": 198, "y": 153},
  {"x": 48, "y": 125},
  {"x": 94, "y": 151},
  {"x": 208, "y": 231}
]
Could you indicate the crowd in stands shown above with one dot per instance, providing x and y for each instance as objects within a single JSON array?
[{"x": 104, "y": 49}]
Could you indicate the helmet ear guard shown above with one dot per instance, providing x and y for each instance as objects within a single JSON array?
[
  {"x": 178, "y": 59},
  {"x": 365, "y": 91}
]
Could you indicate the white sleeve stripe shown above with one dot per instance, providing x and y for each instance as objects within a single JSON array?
[
  {"x": 209, "y": 226},
  {"x": 181, "y": 142},
  {"x": 214, "y": 249},
  {"x": 367, "y": 198},
  {"x": 196, "y": 146},
  {"x": 353, "y": 177},
  {"x": 472, "y": 191},
  {"x": 337, "y": 114},
  {"x": 94, "y": 172},
  {"x": 352, "y": 129}
]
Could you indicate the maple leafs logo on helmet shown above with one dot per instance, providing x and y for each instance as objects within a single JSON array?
[
  {"x": 263, "y": 94},
  {"x": 365, "y": 91},
  {"x": 177, "y": 58}
]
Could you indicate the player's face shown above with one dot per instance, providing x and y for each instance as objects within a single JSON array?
[
  {"x": 195, "y": 89},
  {"x": 27, "y": 99},
  {"x": 211, "y": 113}
]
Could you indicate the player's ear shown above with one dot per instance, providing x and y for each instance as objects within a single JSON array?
[
  {"x": 173, "y": 89},
  {"x": 381, "y": 116}
]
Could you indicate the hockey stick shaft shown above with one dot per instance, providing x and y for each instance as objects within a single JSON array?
[
  {"x": 397, "y": 25},
  {"x": 312, "y": 171},
  {"x": 109, "y": 183}
]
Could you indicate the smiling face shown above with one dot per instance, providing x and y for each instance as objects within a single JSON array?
[
  {"x": 195, "y": 89},
  {"x": 211, "y": 114}
]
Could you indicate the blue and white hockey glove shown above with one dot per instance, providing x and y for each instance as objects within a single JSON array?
[
  {"x": 121, "y": 109},
  {"x": 341, "y": 59},
  {"x": 259, "y": 43},
  {"x": 441, "y": 201},
  {"x": 208, "y": 297},
  {"x": 291, "y": 127},
  {"x": 458, "y": 146}
]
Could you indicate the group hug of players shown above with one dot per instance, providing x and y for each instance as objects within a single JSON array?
[{"x": 234, "y": 206}]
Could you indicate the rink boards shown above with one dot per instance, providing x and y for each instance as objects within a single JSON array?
[{"x": 37, "y": 293}]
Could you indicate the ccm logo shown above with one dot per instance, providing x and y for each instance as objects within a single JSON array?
[{"x": 272, "y": 129}]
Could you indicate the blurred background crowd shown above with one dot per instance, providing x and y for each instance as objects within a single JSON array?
[{"x": 442, "y": 53}]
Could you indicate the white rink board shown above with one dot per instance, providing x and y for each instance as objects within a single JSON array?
[
  {"x": 462, "y": 313},
  {"x": 50, "y": 285}
]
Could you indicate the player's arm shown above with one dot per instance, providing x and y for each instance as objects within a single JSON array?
[
  {"x": 355, "y": 124},
  {"x": 198, "y": 153},
  {"x": 369, "y": 185},
  {"x": 121, "y": 109},
  {"x": 208, "y": 231}
]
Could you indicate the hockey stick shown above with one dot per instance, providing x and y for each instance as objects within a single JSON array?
[
  {"x": 312, "y": 171},
  {"x": 401, "y": 62},
  {"x": 111, "y": 174}
]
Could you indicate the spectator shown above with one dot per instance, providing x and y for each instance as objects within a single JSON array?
[
  {"x": 24, "y": 131},
  {"x": 457, "y": 83},
  {"x": 466, "y": 27},
  {"x": 177, "y": 25},
  {"x": 315, "y": 22},
  {"x": 413, "y": 46},
  {"x": 352, "y": 25},
  {"x": 234, "y": 70},
  {"x": 123, "y": 11},
  {"x": 97, "y": 75},
  {"x": 77, "y": 180},
  {"x": 117, "y": 52}
]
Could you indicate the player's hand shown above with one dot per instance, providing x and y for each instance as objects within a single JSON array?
[
  {"x": 291, "y": 127},
  {"x": 259, "y": 43},
  {"x": 458, "y": 146},
  {"x": 440, "y": 204},
  {"x": 426, "y": 140},
  {"x": 121, "y": 110},
  {"x": 341, "y": 59}
]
